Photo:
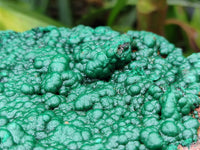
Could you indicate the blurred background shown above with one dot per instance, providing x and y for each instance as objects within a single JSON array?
[{"x": 177, "y": 20}]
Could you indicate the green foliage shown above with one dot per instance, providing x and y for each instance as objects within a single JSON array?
[
  {"x": 65, "y": 13},
  {"x": 16, "y": 16},
  {"x": 185, "y": 3},
  {"x": 121, "y": 15},
  {"x": 115, "y": 11},
  {"x": 195, "y": 22},
  {"x": 187, "y": 34}
]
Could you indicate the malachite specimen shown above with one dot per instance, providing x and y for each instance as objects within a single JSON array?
[{"x": 96, "y": 89}]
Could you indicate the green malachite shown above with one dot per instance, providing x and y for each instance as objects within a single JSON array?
[{"x": 96, "y": 89}]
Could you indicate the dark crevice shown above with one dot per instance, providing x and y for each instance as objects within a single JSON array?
[
  {"x": 134, "y": 49},
  {"x": 162, "y": 55}
]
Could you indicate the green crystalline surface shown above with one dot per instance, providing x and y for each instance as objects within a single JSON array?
[{"x": 96, "y": 89}]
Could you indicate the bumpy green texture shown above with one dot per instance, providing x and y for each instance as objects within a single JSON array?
[{"x": 96, "y": 89}]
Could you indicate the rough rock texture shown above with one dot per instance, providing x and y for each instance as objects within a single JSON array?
[{"x": 85, "y": 88}]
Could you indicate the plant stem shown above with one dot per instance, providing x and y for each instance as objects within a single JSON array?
[
  {"x": 65, "y": 12},
  {"x": 151, "y": 15}
]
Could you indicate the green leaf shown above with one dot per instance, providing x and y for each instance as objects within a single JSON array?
[
  {"x": 196, "y": 24},
  {"x": 121, "y": 29},
  {"x": 17, "y": 16},
  {"x": 43, "y": 4},
  {"x": 111, "y": 3},
  {"x": 120, "y": 4},
  {"x": 65, "y": 13},
  {"x": 185, "y": 3},
  {"x": 196, "y": 18},
  {"x": 127, "y": 19},
  {"x": 180, "y": 14}
]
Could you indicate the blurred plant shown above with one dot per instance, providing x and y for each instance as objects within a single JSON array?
[
  {"x": 16, "y": 15},
  {"x": 151, "y": 15},
  {"x": 177, "y": 20},
  {"x": 180, "y": 23}
]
